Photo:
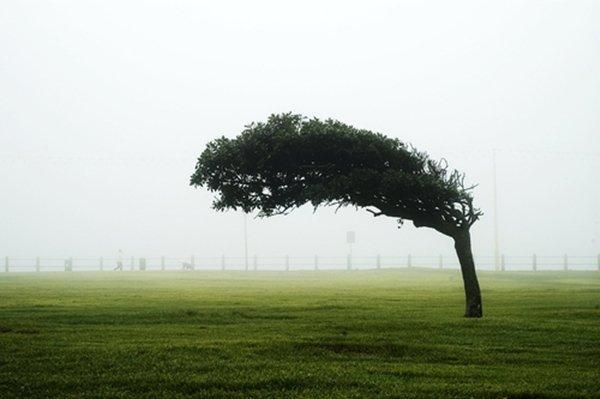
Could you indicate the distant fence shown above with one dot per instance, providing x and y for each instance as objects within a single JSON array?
[{"x": 287, "y": 263}]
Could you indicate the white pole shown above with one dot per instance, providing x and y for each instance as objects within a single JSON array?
[
  {"x": 496, "y": 239},
  {"x": 246, "y": 241},
  {"x": 349, "y": 257}
]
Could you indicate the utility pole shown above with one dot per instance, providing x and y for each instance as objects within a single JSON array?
[
  {"x": 246, "y": 241},
  {"x": 496, "y": 239},
  {"x": 596, "y": 199}
]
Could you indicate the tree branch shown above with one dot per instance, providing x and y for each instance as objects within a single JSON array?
[{"x": 375, "y": 213}]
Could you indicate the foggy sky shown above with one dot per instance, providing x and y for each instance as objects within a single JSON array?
[{"x": 105, "y": 106}]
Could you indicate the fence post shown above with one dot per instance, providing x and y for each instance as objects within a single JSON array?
[
  {"x": 101, "y": 263},
  {"x": 6, "y": 263},
  {"x": 409, "y": 261},
  {"x": 349, "y": 262},
  {"x": 317, "y": 262},
  {"x": 162, "y": 263},
  {"x": 599, "y": 263},
  {"x": 566, "y": 263},
  {"x": 441, "y": 262},
  {"x": 69, "y": 265},
  {"x": 502, "y": 262},
  {"x": 37, "y": 264},
  {"x": 193, "y": 262},
  {"x": 142, "y": 264},
  {"x": 378, "y": 261},
  {"x": 534, "y": 263},
  {"x": 255, "y": 263},
  {"x": 287, "y": 263},
  {"x": 132, "y": 263},
  {"x": 222, "y": 262}
]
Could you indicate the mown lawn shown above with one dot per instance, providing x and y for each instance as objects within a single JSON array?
[{"x": 385, "y": 333}]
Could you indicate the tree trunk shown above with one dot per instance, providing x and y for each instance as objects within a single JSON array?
[{"x": 462, "y": 244}]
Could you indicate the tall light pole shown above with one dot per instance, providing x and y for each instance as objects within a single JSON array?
[
  {"x": 496, "y": 239},
  {"x": 596, "y": 200},
  {"x": 246, "y": 241}
]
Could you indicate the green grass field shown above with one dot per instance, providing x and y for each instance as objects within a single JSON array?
[{"x": 386, "y": 333}]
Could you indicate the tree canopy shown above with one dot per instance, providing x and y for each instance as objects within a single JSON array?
[{"x": 289, "y": 160}]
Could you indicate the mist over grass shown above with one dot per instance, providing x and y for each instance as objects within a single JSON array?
[{"x": 386, "y": 333}]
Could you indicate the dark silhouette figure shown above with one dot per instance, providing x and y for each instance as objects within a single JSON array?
[{"x": 281, "y": 164}]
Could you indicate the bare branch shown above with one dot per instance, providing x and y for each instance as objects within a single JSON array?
[{"x": 375, "y": 213}]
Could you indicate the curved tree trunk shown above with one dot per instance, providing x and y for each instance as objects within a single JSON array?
[{"x": 462, "y": 244}]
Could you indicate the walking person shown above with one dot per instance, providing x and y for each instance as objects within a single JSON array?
[{"x": 119, "y": 266}]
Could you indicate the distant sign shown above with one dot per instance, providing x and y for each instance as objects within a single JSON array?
[{"x": 350, "y": 237}]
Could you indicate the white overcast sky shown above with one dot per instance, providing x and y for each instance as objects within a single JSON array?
[{"x": 104, "y": 106}]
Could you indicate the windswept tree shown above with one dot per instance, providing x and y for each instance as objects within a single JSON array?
[{"x": 288, "y": 161}]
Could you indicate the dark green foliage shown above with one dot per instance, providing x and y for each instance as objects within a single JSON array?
[
  {"x": 375, "y": 334},
  {"x": 288, "y": 161}
]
